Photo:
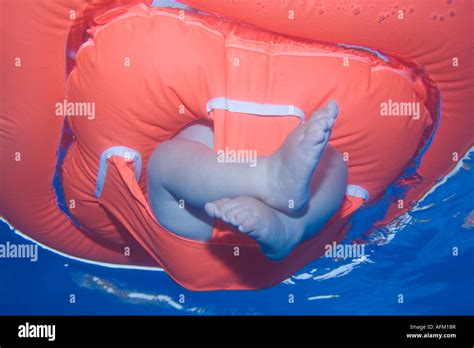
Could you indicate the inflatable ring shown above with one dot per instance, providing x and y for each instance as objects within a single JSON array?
[{"x": 76, "y": 151}]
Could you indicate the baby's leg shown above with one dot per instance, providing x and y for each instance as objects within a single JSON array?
[
  {"x": 173, "y": 212},
  {"x": 184, "y": 174},
  {"x": 276, "y": 232},
  {"x": 186, "y": 169}
]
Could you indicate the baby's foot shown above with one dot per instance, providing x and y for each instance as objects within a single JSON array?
[
  {"x": 292, "y": 165},
  {"x": 273, "y": 230}
]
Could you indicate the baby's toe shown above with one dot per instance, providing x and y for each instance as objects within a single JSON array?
[
  {"x": 331, "y": 110},
  {"x": 225, "y": 207},
  {"x": 315, "y": 137},
  {"x": 323, "y": 123},
  {"x": 221, "y": 201},
  {"x": 218, "y": 206},
  {"x": 211, "y": 209},
  {"x": 248, "y": 224},
  {"x": 241, "y": 216},
  {"x": 230, "y": 214},
  {"x": 320, "y": 113}
]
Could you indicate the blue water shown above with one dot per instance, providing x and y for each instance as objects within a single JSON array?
[{"x": 412, "y": 257}]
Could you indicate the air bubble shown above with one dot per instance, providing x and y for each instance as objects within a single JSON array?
[
  {"x": 441, "y": 18},
  {"x": 321, "y": 10},
  {"x": 356, "y": 10},
  {"x": 434, "y": 16},
  {"x": 451, "y": 13}
]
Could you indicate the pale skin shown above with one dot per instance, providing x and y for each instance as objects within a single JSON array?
[{"x": 285, "y": 199}]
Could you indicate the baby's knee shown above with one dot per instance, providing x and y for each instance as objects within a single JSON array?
[
  {"x": 201, "y": 131},
  {"x": 161, "y": 152},
  {"x": 157, "y": 161}
]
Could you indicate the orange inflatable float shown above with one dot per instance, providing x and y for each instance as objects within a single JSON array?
[{"x": 75, "y": 152}]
